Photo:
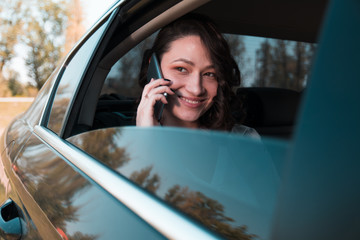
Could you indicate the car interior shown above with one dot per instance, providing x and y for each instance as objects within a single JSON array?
[{"x": 270, "y": 110}]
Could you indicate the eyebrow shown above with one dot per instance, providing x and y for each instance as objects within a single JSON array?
[
  {"x": 190, "y": 62},
  {"x": 184, "y": 60}
]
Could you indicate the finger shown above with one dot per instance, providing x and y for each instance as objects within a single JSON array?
[
  {"x": 159, "y": 82},
  {"x": 161, "y": 90},
  {"x": 153, "y": 84},
  {"x": 164, "y": 90}
]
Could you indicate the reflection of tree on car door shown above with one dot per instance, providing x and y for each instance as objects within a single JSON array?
[{"x": 206, "y": 210}]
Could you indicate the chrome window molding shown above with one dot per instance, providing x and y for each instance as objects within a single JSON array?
[{"x": 151, "y": 210}]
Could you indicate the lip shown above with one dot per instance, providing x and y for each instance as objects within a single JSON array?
[{"x": 191, "y": 101}]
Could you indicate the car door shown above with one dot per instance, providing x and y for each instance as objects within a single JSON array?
[
  {"x": 20, "y": 139},
  {"x": 192, "y": 182},
  {"x": 53, "y": 199}
]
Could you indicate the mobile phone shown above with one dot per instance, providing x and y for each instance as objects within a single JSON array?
[{"x": 154, "y": 71}]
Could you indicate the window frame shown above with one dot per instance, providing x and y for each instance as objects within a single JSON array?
[
  {"x": 135, "y": 30},
  {"x": 105, "y": 19}
]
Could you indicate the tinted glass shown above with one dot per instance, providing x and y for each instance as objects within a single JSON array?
[
  {"x": 70, "y": 80},
  {"x": 273, "y": 73},
  {"x": 123, "y": 77},
  {"x": 267, "y": 62},
  {"x": 229, "y": 183},
  {"x": 263, "y": 62}
]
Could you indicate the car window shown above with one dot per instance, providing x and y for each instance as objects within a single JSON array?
[
  {"x": 263, "y": 62},
  {"x": 268, "y": 62},
  {"x": 69, "y": 82},
  {"x": 117, "y": 102},
  {"x": 274, "y": 73},
  {"x": 123, "y": 76},
  {"x": 227, "y": 183}
]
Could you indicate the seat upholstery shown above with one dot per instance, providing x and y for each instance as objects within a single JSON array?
[{"x": 271, "y": 111}]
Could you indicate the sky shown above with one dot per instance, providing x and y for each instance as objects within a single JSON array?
[{"x": 94, "y": 9}]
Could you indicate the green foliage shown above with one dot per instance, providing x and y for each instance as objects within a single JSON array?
[
  {"x": 38, "y": 27},
  {"x": 44, "y": 38},
  {"x": 10, "y": 28}
]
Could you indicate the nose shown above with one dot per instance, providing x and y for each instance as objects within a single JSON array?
[{"x": 194, "y": 85}]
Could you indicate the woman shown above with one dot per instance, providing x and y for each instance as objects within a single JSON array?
[{"x": 198, "y": 71}]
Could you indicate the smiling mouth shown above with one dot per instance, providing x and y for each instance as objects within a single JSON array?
[{"x": 190, "y": 101}]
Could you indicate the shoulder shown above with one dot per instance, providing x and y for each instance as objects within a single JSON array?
[{"x": 246, "y": 131}]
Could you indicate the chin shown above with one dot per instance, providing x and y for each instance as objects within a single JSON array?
[{"x": 189, "y": 117}]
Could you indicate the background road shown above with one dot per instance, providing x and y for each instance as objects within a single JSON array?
[{"x": 11, "y": 107}]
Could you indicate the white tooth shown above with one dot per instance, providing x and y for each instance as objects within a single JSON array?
[{"x": 190, "y": 101}]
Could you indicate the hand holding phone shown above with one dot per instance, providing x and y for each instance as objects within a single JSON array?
[{"x": 154, "y": 72}]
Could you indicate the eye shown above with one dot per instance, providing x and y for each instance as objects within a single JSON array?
[
  {"x": 210, "y": 75},
  {"x": 181, "y": 69}
]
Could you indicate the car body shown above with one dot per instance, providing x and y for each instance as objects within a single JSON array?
[{"x": 73, "y": 166}]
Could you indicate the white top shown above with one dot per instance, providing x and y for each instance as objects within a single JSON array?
[{"x": 246, "y": 131}]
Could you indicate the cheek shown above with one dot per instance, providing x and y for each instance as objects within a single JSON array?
[
  {"x": 169, "y": 75},
  {"x": 212, "y": 89}
]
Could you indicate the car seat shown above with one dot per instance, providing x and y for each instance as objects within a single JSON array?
[{"x": 271, "y": 111}]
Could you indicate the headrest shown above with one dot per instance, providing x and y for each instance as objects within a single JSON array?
[{"x": 266, "y": 107}]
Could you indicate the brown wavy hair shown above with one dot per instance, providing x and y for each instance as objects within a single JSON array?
[{"x": 219, "y": 115}]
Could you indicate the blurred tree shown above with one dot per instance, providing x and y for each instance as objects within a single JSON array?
[
  {"x": 237, "y": 48},
  {"x": 207, "y": 211},
  {"x": 4, "y": 89},
  {"x": 109, "y": 153},
  {"x": 263, "y": 64},
  {"x": 143, "y": 178},
  {"x": 15, "y": 86},
  {"x": 280, "y": 75},
  {"x": 10, "y": 29},
  {"x": 74, "y": 27},
  {"x": 44, "y": 38},
  {"x": 300, "y": 71},
  {"x": 39, "y": 27},
  {"x": 283, "y": 64}
]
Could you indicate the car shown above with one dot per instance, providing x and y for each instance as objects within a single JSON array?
[{"x": 75, "y": 166}]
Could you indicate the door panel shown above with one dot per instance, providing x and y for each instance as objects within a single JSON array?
[{"x": 59, "y": 199}]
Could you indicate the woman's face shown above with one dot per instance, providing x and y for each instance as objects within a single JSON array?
[{"x": 188, "y": 65}]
